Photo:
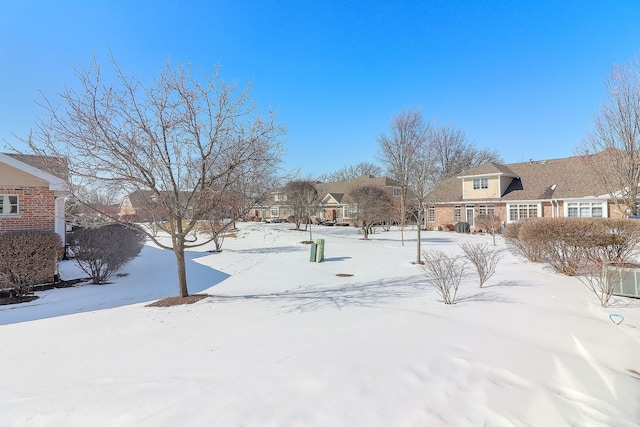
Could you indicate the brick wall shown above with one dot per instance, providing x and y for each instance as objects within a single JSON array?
[{"x": 35, "y": 209}]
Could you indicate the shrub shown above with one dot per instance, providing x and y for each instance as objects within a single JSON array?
[
  {"x": 520, "y": 248},
  {"x": 28, "y": 257},
  {"x": 102, "y": 251},
  {"x": 483, "y": 259},
  {"x": 602, "y": 277},
  {"x": 566, "y": 244},
  {"x": 445, "y": 273}
]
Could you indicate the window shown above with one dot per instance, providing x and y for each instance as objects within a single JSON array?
[
  {"x": 480, "y": 183},
  {"x": 8, "y": 204},
  {"x": 432, "y": 213},
  {"x": 585, "y": 209},
  {"x": 486, "y": 210},
  {"x": 280, "y": 197},
  {"x": 523, "y": 211},
  {"x": 350, "y": 211},
  {"x": 457, "y": 214},
  {"x": 275, "y": 211},
  {"x": 397, "y": 192}
]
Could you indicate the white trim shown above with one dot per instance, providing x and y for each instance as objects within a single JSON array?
[
  {"x": 55, "y": 183},
  {"x": 522, "y": 202},
  {"x": 604, "y": 203}
]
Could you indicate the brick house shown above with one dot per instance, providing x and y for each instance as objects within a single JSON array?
[
  {"x": 33, "y": 190},
  {"x": 336, "y": 206},
  {"x": 565, "y": 187}
]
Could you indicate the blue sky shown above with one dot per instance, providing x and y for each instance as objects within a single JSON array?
[{"x": 522, "y": 77}]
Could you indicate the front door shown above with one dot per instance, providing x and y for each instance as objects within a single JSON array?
[{"x": 470, "y": 213}]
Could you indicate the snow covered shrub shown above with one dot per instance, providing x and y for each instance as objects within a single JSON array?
[
  {"x": 102, "y": 251},
  {"x": 28, "y": 257},
  {"x": 445, "y": 272},
  {"x": 483, "y": 259}
]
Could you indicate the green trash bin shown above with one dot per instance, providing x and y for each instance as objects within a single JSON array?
[
  {"x": 314, "y": 249},
  {"x": 319, "y": 250}
]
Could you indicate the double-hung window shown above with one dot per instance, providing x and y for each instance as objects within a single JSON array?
[
  {"x": 480, "y": 183},
  {"x": 8, "y": 204},
  {"x": 457, "y": 214},
  {"x": 519, "y": 212},
  {"x": 432, "y": 213}
]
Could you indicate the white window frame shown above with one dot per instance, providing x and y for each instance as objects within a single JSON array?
[
  {"x": 397, "y": 191},
  {"x": 486, "y": 209},
  {"x": 457, "y": 214},
  {"x": 585, "y": 208},
  {"x": 274, "y": 211},
  {"x": 431, "y": 213},
  {"x": 521, "y": 208},
  {"x": 5, "y": 200},
  {"x": 480, "y": 183},
  {"x": 350, "y": 211}
]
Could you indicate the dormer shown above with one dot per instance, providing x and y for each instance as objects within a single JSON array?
[{"x": 489, "y": 181}]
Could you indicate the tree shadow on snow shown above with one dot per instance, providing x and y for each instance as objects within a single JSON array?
[
  {"x": 150, "y": 276},
  {"x": 309, "y": 298}
]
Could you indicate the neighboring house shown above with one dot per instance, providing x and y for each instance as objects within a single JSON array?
[
  {"x": 32, "y": 193},
  {"x": 336, "y": 206},
  {"x": 554, "y": 188},
  {"x": 142, "y": 206}
]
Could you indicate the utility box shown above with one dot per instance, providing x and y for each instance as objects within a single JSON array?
[
  {"x": 629, "y": 286},
  {"x": 312, "y": 255},
  {"x": 319, "y": 250}
]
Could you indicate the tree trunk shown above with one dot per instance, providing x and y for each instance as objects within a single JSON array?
[
  {"x": 419, "y": 243},
  {"x": 178, "y": 250}
]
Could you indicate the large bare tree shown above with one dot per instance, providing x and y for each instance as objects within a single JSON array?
[
  {"x": 452, "y": 153},
  {"x": 400, "y": 149},
  {"x": 187, "y": 140},
  {"x": 612, "y": 149}
]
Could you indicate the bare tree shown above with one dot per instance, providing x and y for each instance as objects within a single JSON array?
[
  {"x": 400, "y": 150},
  {"x": 373, "y": 206},
  {"x": 303, "y": 197},
  {"x": 453, "y": 153},
  {"x": 186, "y": 139},
  {"x": 616, "y": 137},
  {"x": 483, "y": 259},
  {"x": 602, "y": 278},
  {"x": 490, "y": 222},
  {"x": 349, "y": 173},
  {"x": 445, "y": 271}
]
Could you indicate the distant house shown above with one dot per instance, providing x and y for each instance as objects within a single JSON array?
[
  {"x": 336, "y": 206},
  {"x": 32, "y": 193},
  {"x": 565, "y": 187}
]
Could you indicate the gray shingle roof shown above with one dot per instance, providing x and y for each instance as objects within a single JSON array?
[{"x": 572, "y": 177}]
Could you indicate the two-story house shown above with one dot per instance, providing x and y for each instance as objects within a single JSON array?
[{"x": 565, "y": 187}]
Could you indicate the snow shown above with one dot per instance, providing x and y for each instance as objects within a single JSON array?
[{"x": 286, "y": 342}]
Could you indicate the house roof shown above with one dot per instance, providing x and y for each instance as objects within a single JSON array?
[
  {"x": 50, "y": 169},
  {"x": 340, "y": 190},
  {"x": 564, "y": 178}
]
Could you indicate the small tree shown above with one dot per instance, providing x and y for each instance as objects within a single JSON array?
[
  {"x": 303, "y": 197},
  {"x": 483, "y": 259},
  {"x": 102, "y": 251},
  {"x": 491, "y": 223},
  {"x": 27, "y": 258},
  {"x": 602, "y": 278},
  {"x": 445, "y": 272},
  {"x": 372, "y": 204}
]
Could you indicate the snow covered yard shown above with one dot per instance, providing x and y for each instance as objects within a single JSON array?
[{"x": 286, "y": 342}]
